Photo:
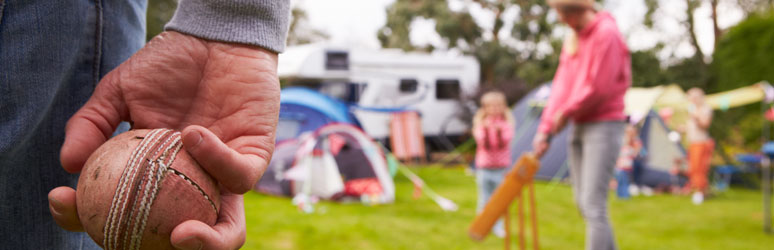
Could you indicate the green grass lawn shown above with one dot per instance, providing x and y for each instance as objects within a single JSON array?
[{"x": 731, "y": 220}]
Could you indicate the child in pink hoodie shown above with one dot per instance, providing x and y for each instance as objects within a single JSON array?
[
  {"x": 588, "y": 89},
  {"x": 493, "y": 128}
]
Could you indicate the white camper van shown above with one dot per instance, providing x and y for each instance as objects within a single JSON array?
[{"x": 379, "y": 80}]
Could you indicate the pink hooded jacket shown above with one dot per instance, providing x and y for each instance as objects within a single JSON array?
[
  {"x": 493, "y": 141},
  {"x": 589, "y": 86}
]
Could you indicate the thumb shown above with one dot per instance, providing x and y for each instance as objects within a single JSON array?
[
  {"x": 92, "y": 125},
  {"x": 61, "y": 204},
  {"x": 229, "y": 231}
]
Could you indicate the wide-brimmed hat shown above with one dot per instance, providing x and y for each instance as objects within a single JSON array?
[{"x": 580, "y": 3}]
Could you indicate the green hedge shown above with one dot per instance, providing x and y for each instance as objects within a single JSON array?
[{"x": 745, "y": 55}]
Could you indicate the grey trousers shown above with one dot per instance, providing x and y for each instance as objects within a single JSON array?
[{"x": 593, "y": 151}]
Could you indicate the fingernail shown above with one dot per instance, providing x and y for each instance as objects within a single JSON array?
[
  {"x": 55, "y": 206},
  {"x": 190, "y": 243},
  {"x": 193, "y": 138}
]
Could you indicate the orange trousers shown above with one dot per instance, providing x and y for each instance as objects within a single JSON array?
[{"x": 699, "y": 155}]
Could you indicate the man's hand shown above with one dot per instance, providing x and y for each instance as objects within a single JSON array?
[
  {"x": 225, "y": 99},
  {"x": 540, "y": 144}
]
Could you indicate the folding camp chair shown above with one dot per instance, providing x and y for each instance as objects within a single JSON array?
[{"x": 406, "y": 138}]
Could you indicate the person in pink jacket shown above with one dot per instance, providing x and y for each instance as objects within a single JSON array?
[
  {"x": 493, "y": 127},
  {"x": 588, "y": 89}
]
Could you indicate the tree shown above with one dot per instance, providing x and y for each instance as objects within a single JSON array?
[
  {"x": 743, "y": 57},
  {"x": 159, "y": 13},
  {"x": 690, "y": 23},
  {"x": 300, "y": 31},
  {"x": 696, "y": 71},
  {"x": 755, "y": 6},
  {"x": 688, "y": 72},
  {"x": 746, "y": 53},
  {"x": 528, "y": 54},
  {"x": 646, "y": 69}
]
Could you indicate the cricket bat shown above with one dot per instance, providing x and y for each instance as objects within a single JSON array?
[{"x": 522, "y": 173}]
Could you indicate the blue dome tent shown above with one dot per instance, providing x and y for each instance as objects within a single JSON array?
[{"x": 305, "y": 110}]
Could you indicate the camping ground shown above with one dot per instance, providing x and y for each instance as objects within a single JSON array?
[{"x": 731, "y": 220}]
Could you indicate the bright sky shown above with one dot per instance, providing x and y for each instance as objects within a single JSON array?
[{"x": 355, "y": 22}]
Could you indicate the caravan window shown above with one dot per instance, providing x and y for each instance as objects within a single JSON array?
[
  {"x": 344, "y": 91},
  {"x": 408, "y": 86},
  {"x": 338, "y": 90},
  {"x": 446, "y": 89},
  {"x": 337, "y": 60}
]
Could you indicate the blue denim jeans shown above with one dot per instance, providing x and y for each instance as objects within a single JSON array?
[
  {"x": 487, "y": 181},
  {"x": 622, "y": 188},
  {"x": 52, "y": 54}
]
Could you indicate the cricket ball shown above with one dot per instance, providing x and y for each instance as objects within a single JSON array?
[{"x": 138, "y": 186}]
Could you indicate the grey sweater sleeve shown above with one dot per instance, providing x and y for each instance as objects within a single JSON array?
[{"x": 262, "y": 23}]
